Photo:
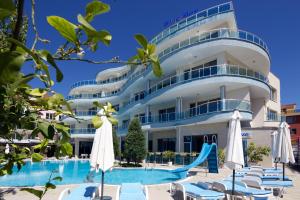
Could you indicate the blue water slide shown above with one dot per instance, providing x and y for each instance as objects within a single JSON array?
[{"x": 208, "y": 152}]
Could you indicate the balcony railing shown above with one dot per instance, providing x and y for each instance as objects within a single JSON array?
[
  {"x": 199, "y": 16},
  {"x": 196, "y": 74},
  {"x": 202, "y": 109},
  {"x": 223, "y": 33},
  {"x": 85, "y": 113},
  {"x": 82, "y": 131}
]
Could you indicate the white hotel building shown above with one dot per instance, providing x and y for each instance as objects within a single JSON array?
[{"x": 210, "y": 69}]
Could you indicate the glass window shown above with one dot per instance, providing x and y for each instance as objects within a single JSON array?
[
  {"x": 203, "y": 108},
  {"x": 256, "y": 40},
  {"x": 213, "y": 70},
  {"x": 224, "y": 7},
  {"x": 212, "y": 11},
  {"x": 195, "y": 73},
  {"x": 202, "y": 15},
  {"x": 206, "y": 71},
  {"x": 175, "y": 46},
  {"x": 214, "y": 35},
  {"x": 213, "y": 106},
  {"x": 242, "y": 71},
  {"x": 293, "y": 131}
]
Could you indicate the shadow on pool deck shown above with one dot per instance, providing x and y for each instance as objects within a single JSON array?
[{"x": 7, "y": 191}]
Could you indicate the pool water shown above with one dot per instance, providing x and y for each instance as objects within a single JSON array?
[{"x": 75, "y": 172}]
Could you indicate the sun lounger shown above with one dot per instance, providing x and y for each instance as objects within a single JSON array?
[
  {"x": 132, "y": 191},
  {"x": 226, "y": 185},
  {"x": 82, "y": 192},
  {"x": 259, "y": 183},
  {"x": 195, "y": 191}
]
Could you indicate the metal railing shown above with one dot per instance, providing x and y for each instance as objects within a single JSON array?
[
  {"x": 223, "y": 33},
  {"x": 82, "y": 131},
  {"x": 196, "y": 74},
  {"x": 193, "y": 19},
  {"x": 224, "y": 105},
  {"x": 86, "y": 113}
]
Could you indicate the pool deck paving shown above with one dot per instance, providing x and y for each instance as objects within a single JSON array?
[{"x": 156, "y": 192}]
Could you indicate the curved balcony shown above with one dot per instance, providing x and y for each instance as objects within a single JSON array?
[
  {"x": 84, "y": 82},
  {"x": 190, "y": 20},
  {"x": 212, "y": 36},
  {"x": 207, "y": 72},
  {"x": 193, "y": 75},
  {"x": 202, "y": 112},
  {"x": 83, "y": 113},
  {"x": 82, "y": 131}
]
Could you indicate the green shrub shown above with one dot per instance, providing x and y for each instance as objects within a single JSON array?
[
  {"x": 255, "y": 154},
  {"x": 135, "y": 144},
  {"x": 168, "y": 155},
  {"x": 221, "y": 157}
]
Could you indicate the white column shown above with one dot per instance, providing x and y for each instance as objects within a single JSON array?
[
  {"x": 146, "y": 139},
  {"x": 178, "y": 107},
  {"x": 76, "y": 147},
  {"x": 223, "y": 96},
  {"x": 178, "y": 139},
  {"x": 179, "y": 74},
  {"x": 147, "y": 113}
]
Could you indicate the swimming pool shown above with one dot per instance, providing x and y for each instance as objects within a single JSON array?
[{"x": 75, "y": 172}]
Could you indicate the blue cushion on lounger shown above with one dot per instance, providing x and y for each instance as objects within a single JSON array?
[
  {"x": 132, "y": 191},
  {"x": 197, "y": 191},
  {"x": 83, "y": 191},
  {"x": 133, "y": 196},
  {"x": 278, "y": 183}
]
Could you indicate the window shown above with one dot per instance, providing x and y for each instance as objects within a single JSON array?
[
  {"x": 273, "y": 94},
  {"x": 293, "y": 131},
  {"x": 167, "y": 114},
  {"x": 291, "y": 119},
  {"x": 50, "y": 116},
  {"x": 272, "y": 115}
]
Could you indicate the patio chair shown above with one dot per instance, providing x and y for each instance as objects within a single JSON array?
[
  {"x": 195, "y": 191},
  {"x": 132, "y": 191},
  {"x": 83, "y": 191},
  {"x": 242, "y": 188}
]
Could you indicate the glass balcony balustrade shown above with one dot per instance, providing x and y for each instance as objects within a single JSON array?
[
  {"x": 196, "y": 74},
  {"x": 214, "y": 35},
  {"x": 82, "y": 131},
  {"x": 193, "y": 19},
  {"x": 200, "y": 110},
  {"x": 86, "y": 113}
]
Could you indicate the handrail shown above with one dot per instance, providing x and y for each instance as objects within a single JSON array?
[
  {"x": 196, "y": 74},
  {"x": 223, "y": 33},
  {"x": 224, "y": 105},
  {"x": 192, "y": 19},
  {"x": 188, "y": 75},
  {"x": 82, "y": 131}
]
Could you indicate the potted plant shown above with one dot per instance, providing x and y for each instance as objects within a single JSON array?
[
  {"x": 169, "y": 155},
  {"x": 255, "y": 154}
]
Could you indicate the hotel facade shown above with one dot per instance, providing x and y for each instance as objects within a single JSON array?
[{"x": 211, "y": 68}]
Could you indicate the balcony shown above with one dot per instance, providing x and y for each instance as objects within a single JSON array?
[
  {"x": 195, "y": 115},
  {"x": 212, "y": 36},
  {"x": 82, "y": 131},
  {"x": 193, "y": 75},
  {"x": 193, "y": 19}
]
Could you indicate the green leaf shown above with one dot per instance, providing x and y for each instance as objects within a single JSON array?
[
  {"x": 46, "y": 55},
  {"x": 157, "y": 70},
  {"x": 113, "y": 120},
  {"x": 67, "y": 148},
  {"x": 50, "y": 185},
  {"x": 141, "y": 40},
  {"x": 47, "y": 129},
  {"x": 7, "y": 8},
  {"x": 151, "y": 49},
  {"x": 37, "y": 193},
  {"x": 141, "y": 54},
  {"x": 57, "y": 178},
  {"x": 95, "y": 8},
  {"x": 37, "y": 92},
  {"x": 42, "y": 146},
  {"x": 64, "y": 27},
  {"x": 24, "y": 80},
  {"x": 104, "y": 36},
  {"x": 98, "y": 104},
  {"x": 97, "y": 122},
  {"x": 10, "y": 66},
  {"x": 36, "y": 157}
]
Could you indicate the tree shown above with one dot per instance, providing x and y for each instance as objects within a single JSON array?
[
  {"x": 20, "y": 103},
  {"x": 135, "y": 144},
  {"x": 255, "y": 154},
  {"x": 116, "y": 144}
]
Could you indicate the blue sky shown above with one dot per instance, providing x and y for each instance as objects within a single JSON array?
[{"x": 276, "y": 22}]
